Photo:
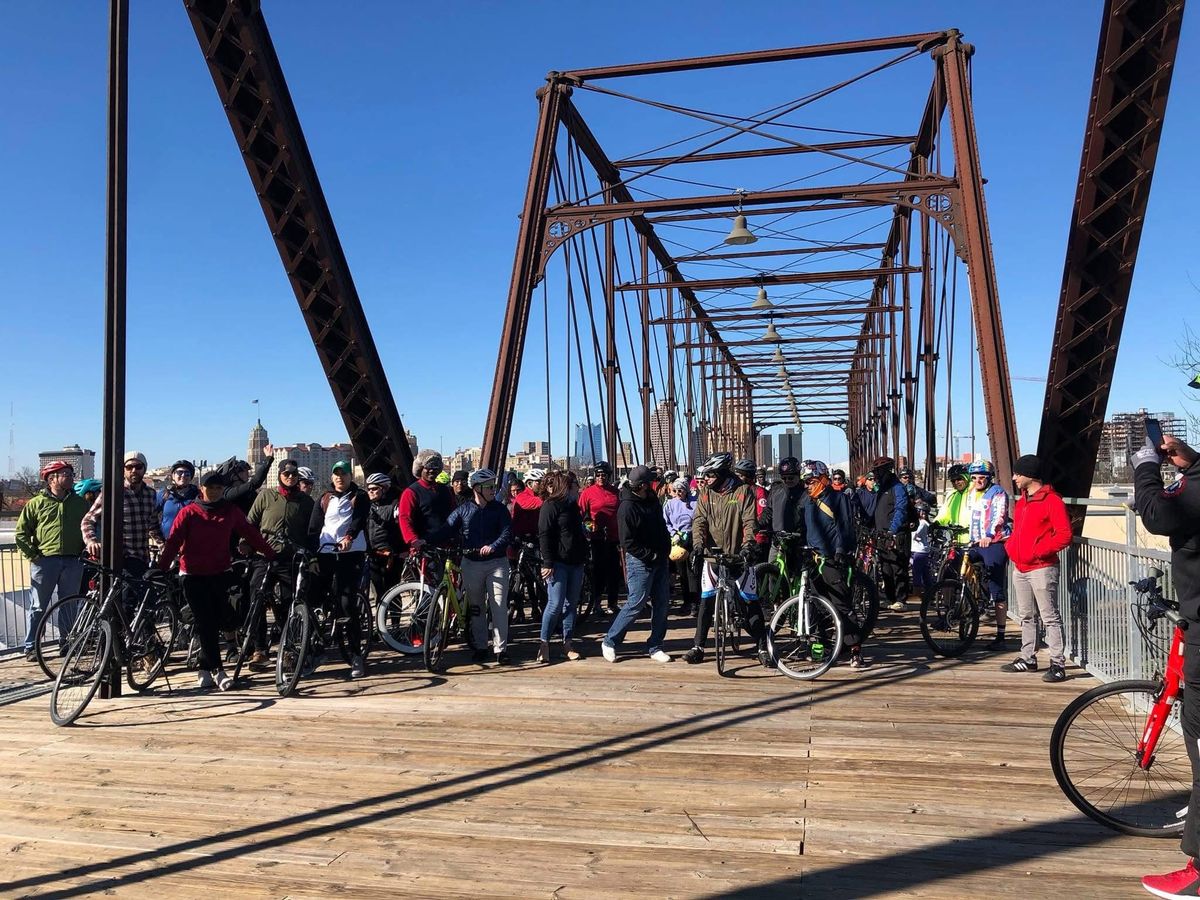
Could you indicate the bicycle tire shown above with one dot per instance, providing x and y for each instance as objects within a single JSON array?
[
  {"x": 247, "y": 635},
  {"x": 293, "y": 648},
  {"x": 800, "y": 625},
  {"x": 950, "y": 619},
  {"x": 400, "y": 616},
  {"x": 437, "y": 632},
  {"x": 151, "y": 649},
  {"x": 48, "y": 651},
  {"x": 864, "y": 603},
  {"x": 770, "y": 587},
  {"x": 720, "y": 615},
  {"x": 516, "y": 597},
  {"x": 82, "y": 671},
  {"x": 365, "y": 625},
  {"x": 1111, "y": 751}
]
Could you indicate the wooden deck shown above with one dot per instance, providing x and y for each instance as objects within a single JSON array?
[{"x": 916, "y": 778}]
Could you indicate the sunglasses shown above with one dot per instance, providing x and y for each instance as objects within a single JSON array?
[
  {"x": 133, "y": 467},
  {"x": 487, "y": 486},
  {"x": 289, "y": 473}
]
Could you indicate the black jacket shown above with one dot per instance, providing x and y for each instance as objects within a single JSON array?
[
  {"x": 1175, "y": 513},
  {"x": 242, "y": 494},
  {"x": 642, "y": 528},
  {"x": 383, "y": 528},
  {"x": 560, "y": 533},
  {"x": 785, "y": 509}
]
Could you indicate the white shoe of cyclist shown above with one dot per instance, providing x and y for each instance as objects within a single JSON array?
[
  {"x": 609, "y": 651},
  {"x": 224, "y": 682},
  {"x": 205, "y": 680},
  {"x": 358, "y": 668},
  {"x": 661, "y": 656},
  {"x": 898, "y": 606}
]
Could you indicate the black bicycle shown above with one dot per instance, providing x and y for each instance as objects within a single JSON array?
[{"x": 525, "y": 584}]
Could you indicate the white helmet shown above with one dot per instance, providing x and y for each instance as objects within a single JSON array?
[
  {"x": 481, "y": 476},
  {"x": 306, "y": 474},
  {"x": 378, "y": 478},
  {"x": 535, "y": 475}
]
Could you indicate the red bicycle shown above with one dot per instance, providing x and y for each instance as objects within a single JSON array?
[{"x": 1118, "y": 750}]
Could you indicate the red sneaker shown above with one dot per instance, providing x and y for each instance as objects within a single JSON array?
[{"x": 1184, "y": 883}]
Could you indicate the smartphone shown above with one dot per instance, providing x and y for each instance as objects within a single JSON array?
[{"x": 1154, "y": 432}]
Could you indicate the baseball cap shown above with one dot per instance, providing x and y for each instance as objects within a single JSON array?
[{"x": 341, "y": 466}]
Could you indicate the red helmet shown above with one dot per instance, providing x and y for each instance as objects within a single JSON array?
[{"x": 58, "y": 465}]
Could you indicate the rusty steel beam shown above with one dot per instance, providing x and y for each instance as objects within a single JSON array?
[
  {"x": 834, "y": 146},
  {"x": 249, "y": 80},
  {"x": 761, "y": 211},
  {"x": 828, "y": 338},
  {"x": 814, "y": 51},
  {"x": 791, "y": 251},
  {"x": 1134, "y": 63},
  {"x": 766, "y": 280}
]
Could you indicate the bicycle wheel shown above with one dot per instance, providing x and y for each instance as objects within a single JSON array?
[
  {"x": 49, "y": 645},
  {"x": 1093, "y": 755},
  {"x": 949, "y": 618},
  {"x": 83, "y": 669},
  {"x": 245, "y": 646},
  {"x": 805, "y": 636},
  {"x": 400, "y": 617},
  {"x": 864, "y": 603},
  {"x": 516, "y": 596},
  {"x": 146, "y": 652},
  {"x": 721, "y": 616},
  {"x": 437, "y": 632},
  {"x": 365, "y": 625},
  {"x": 293, "y": 646}
]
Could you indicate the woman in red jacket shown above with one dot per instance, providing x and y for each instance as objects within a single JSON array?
[{"x": 201, "y": 537}]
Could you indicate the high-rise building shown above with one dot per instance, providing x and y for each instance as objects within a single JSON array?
[
  {"x": 317, "y": 457},
  {"x": 662, "y": 435},
  {"x": 766, "y": 452},
  {"x": 412, "y": 442},
  {"x": 1122, "y": 435},
  {"x": 589, "y": 444},
  {"x": 468, "y": 460},
  {"x": 254, "y": 446},
  {"x": 625, "y": 460},
  {"x": 536, "y": 448},
  {"x": 791, "y": 443},
  {"x": 82, "y": 461}
]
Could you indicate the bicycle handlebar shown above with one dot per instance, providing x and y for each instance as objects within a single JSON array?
[{"x": 1159, "y": 606}]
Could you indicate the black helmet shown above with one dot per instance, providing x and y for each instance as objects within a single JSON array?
[
  {"x": 905, "y": 470},
  {"x": 789, "y": 465},
  {"x": 718, "y": 462},
  {"x": 602, "y": 468},
  {"x": 956, "y": 471},
  {"x": 744, "y": 467},
  {"x": 184, "y": 464},
  {"x": 836, "y": 472}
]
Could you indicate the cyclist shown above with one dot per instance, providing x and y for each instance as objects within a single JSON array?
[
  {"x": 891, "y": 515},
  {"x": 725, "y": 518},
  {"x": 483, "y": 529},
  {"x": 241, "y": 485},
  {"x": 748, "y": 474},
  {"x": 139, "y": 520},
  {"x": 915, "y": 491},
  {"x": 785, "y": 503},
  {"x": 561, "y": 537},
  {"x": 384, "y": 544},
  {"x": 677, "y": 515},
  {"x": 339, "y": 520},
  {"x": 426, "y": 503},
  {"x": 598, "y": 504},
  {"x": 1174, "y": 511},
  {"x": 178, "y": 494},
  {"x": 956, "y": 508},
  {"x": 647, "y": 547},
  {"x": 990, "y": 527},
  {"x": 837, "y": 480},
  {"x": 527, "y": 504},
  {"x": 285, "y": 515},
  {"x": 49, "y": 536},
  {"x": 866, "y": 499},
  {"x": 89, "y": 490},
  {"x": 515, "y": 487},
  {"x": 460, "y": 487},
  {"x": 307, "y": 479},
  {"x": 829, "y": 529},
  {"x": 201, "y": 536}
]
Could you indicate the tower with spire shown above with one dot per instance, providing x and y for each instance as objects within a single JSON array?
[{"x": 254, "y": 446}]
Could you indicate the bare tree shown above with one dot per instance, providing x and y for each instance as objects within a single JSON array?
[
  {"x": 29, "y": 481},
  {"x": 1187, "y": 361}
]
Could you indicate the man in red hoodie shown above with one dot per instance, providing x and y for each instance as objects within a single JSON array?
[
  {"x": 1040, "y": 530},
  {"x": 598, "y": 505}
]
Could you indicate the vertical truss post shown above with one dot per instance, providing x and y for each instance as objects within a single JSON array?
[
  {"x": 909, "y": 381},
  {"x": 672, "y": 457},
  {"x": 927, "y": 341},
  {"x": 530, "y": 238},
  {"x": 610, "y": 337},
  {"x": 985, "y": 296},
  {"x": 647, "y": 448}
]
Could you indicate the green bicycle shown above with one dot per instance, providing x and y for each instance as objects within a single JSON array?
[{"x": 441, "y": 608}]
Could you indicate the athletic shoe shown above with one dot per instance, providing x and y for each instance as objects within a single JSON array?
[
  {"x": 898, "y": 606},
  {"x": 224, "y": 682},
  {"x": 856, "y": 660},
  {"x": 609, "y": 651},
  {"x": 764, "y": 658},
  {"x": 999, "y": 643},
  {"x": 358, "y": 667},
  {"x": 661, "y": 656},
  {"x": 503, "y": 659},
  {"x": 1020, "y": 665},
  {"x": 1184, "y": 883},
  {"x": 31, "y": 655},
  {"x": 1057, "y": 673},
  {"x": 693, "y": 656},
  {"x": 205, "y": 680}
]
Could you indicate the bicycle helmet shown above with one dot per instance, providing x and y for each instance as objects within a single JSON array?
[
  {"x": 981, "y": 467},
  {"x": 184, "y": 464},
  {"x": 813, "y": 468},
  {"x": 905, "y": 470},
  {"x": 718, "y": 463},
  {"x": 443, "y": 478},
  {"x": 838, "y": 473},
  {"x": 481, "y": 476},
  {"x": 87, "y": 486},
  {"x": 535, "y": 475},
  {"x": 955, "y": 472},
  {"x": 306, "y": 474},
  {"x": 789, "y": 465},
  {"x": 602, "y": 468},
  {"x": 744, "y": 467},
  {"x": 670, "y": 477},
  {"x": 378, "y": 478},
  {"x": 58, "y": 465}
]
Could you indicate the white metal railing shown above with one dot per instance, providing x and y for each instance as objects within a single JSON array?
[{"x": 14, "y": 598}]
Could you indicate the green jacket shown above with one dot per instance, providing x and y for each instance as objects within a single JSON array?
[
  {"x": 274, "y": 512},
  {"x": 956, "y": 510},
  {"x": 48, "y": 526}
]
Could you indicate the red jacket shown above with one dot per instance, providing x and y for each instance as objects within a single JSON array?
[
  {"x": 527, "y": 506},
  {"x": 201, "y": 536},
  {"x": 1040, "y": 530},
  {"x": 599, "y": 504}
]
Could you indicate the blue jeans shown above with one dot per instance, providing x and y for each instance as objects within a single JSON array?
[
  {"x": 50, "y": 573},
  {"x": 647, "y": 583},
  {"x": 562, "y": 599}
]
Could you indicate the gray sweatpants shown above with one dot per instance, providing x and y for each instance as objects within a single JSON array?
[
  {"x": 485, "y": 582},
  {"x": 1037, "y": 595}
]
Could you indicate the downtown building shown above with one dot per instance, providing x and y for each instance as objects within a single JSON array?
[
  {"x": 1122, "y": 435},
  {"x": 791, "y": 443},
  {"x": 766, "y": 451},
  {"x": 317, "y": 457},
  {"x": 662, "y": 437},
  {"x": 82, "y": 461},
  {"x": 589, "y": 444}
]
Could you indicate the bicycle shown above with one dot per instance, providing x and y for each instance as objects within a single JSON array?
[
  {"x": 107, "y": 635},
  {"x": 950, "y": 611},
  {"x": 309, "y": 630},
  {"x": 728, "y": 620},
  {"x": 445, "y": 615},
  {"x": 525, "y": 582},
  {"x": 866, "y": 580},
  {"x": 804, "y": 633},
  {"x": 1118, "y": 751}
]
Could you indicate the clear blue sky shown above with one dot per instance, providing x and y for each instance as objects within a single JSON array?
[{"x": 420, "y": 119}]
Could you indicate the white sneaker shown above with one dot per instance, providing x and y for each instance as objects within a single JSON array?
[
  {"x": 224, "y": 682},
  {"x": 358, "y": 668},
  {"x": 609, "y": 651},
  {"x": 661, "y": 656},
  {"x": 205, "y": 680},
  {"x": 898, "y": 606}
]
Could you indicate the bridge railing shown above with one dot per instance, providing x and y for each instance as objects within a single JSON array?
[
  {"x": 15, "y": 599},
  {"x": 1096, "y": 599}
]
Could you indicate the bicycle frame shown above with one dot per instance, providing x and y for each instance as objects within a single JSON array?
[{"x": 1161, "y": 711}]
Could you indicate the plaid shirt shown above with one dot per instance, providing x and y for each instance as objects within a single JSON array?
[{"x": 141, "y": 521}]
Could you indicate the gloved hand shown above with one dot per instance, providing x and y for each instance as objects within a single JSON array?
[
  {"x": 1147, "y": 453},
  {"x": 748, "y": 551}
]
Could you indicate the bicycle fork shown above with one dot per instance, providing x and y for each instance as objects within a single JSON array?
[{"x": 1162, "y": 707}]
